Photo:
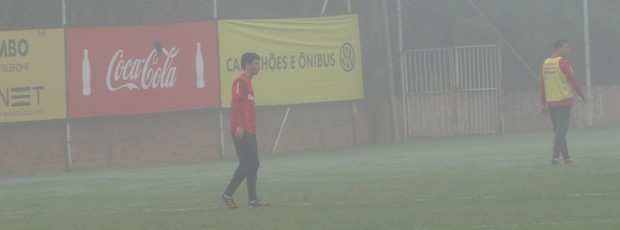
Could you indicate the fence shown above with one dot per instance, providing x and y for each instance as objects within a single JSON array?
[{"x": 451, "y": 91}]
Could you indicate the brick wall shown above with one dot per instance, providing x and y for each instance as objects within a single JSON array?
[
  {"x": 155, "y": 139},
  {"x": 522, "y": 109},
  {"x": 32, "y": 147},
  {"x": 172, "y": 138},
  {"x": 307, "y": 127}
]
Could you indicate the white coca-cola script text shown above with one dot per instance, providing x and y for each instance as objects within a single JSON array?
[{"x": 142, "y": 73}]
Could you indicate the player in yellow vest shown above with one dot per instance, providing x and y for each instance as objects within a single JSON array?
[{"x": 557, "y": 86}]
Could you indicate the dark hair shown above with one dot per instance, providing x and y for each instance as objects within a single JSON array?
[
  {"x": 247, "y": 58},
  {"x": 559, "y": 43}
]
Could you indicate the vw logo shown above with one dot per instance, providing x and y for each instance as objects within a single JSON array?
[{"x": 347, "y": 57}]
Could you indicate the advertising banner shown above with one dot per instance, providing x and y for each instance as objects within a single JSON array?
[
  {"x": 32, "y": 75},
  {"x": 142, "y": 69},
  {"x": 303, "y": 60}
]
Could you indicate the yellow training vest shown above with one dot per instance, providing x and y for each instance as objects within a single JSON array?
[{"x": 557, "y": 87}]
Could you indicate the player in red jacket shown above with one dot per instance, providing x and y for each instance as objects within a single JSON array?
[{"x": 243, "y": 130}]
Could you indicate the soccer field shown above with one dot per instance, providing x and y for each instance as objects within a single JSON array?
[{"x": 482, "y": 182}]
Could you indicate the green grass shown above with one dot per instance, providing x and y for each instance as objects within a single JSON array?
[{"x": 482, "y": 182}]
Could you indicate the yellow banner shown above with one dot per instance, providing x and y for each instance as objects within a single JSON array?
[
  {"x": 32, "y": 75},
  {"x": 303, "y": 60}
]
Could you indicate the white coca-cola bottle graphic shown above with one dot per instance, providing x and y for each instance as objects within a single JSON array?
[
  {"x": 200, "y": 68},
  {"x": 85, "y": 74}
]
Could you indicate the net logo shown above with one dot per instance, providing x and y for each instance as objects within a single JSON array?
[
  {"x": 347, "y": 57},
  {"x": 21, "y": 96}
]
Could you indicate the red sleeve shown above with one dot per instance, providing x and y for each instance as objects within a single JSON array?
[
  {"x": 543, "y": 98},
  {"x": 235, "y": 102},
  {"x": 566, "y": 67}
]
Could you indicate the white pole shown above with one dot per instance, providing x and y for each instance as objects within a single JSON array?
[
  {"x": 324, "y": 5},
  {"x": 69, "y": 157},
  {"x": 64, "y": 13},
  {"x": 390, "y": 72},
  {"x": 354, "y": 123},
  {"x": 402, "y": 69},
  {"x": 348, "y": 6},
  {"x": 222, "y": 135},
  {"x": 214, "y": 8},
  {"x": 586, "y": 33},
  {"x": 275, "y": 146},
  {"x": 69, "y": 164},
  {"x": 222, "y": 144}
]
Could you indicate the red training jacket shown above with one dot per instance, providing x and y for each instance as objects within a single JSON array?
[{"x": 242, "y": 105}]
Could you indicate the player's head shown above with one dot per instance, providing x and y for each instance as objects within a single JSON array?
[
  {"x": 250, "y": 63},
  {"x": 561, "y": 47}
]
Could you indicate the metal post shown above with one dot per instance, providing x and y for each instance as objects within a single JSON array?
[
  {"x": 354, "y": 123},
  {"x": 221, "y": 115},
  {"x": 503, "y": 39},
  {"x": 223, "y": 149},
  {"x": 69, "y": 163},
  {"x": 64, "y": 13},
  {"x": 214, "y": 8},
  {"x": 275, "y": 146},
  {"x": 390, "y": 75},
  {"x": 348, "y": 6},
  {"x": 69, "y": 157},
  {"x": 586, "y": 33},
  {"x": 500, "y": 86},
  {"x": 404, "y": 96},
  {"x": 324, "y": 6}
]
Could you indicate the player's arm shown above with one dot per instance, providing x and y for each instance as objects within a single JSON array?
[
  {"x": 235, "y": 106},
  {"x": 567, "y": 69}
]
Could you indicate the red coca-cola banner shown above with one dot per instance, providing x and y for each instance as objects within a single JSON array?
[{"x": 142, "y": 69}]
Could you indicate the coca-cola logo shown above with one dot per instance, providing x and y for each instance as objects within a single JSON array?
[{"x": 143, "y": 73}]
